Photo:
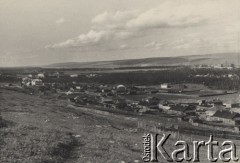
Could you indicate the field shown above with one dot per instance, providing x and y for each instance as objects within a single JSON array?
[
  {"x": 160, "y": 96},
  {"x": 192, "y": 93},
  {"x": 227, "y": 98}
]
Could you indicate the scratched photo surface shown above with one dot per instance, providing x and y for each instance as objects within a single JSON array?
[{"x": 119, "y": 81}]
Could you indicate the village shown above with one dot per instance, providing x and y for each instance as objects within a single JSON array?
[
  {"x": 200, "y": 111},
  {"x": 117, "y": 81}
]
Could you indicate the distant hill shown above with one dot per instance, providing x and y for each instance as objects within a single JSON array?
[{"x": 225, "y": 58}]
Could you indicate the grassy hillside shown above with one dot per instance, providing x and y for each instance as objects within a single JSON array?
[
  {"x": 225, "y": 58},
  {"x": 40, "y": 130},
  {"x": 121, "y": 63}
]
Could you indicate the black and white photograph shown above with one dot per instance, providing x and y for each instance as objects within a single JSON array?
[{"x": 119, "y": 81}]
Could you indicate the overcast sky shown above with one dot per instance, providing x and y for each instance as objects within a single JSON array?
[{"x": 40, "y": 32}]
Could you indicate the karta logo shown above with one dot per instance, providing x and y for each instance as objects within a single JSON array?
[{"x": 155, "y": 150}]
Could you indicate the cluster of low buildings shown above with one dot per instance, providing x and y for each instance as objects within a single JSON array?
[
  {"x": 217, "y": 66},
  {"x": 230, "y": 76},
  {"x": 36, "y": 79},
  {"x": 32, "y": 82},
  {"x": 213, "y": 112},
  {"x": 208, "y": 113}
]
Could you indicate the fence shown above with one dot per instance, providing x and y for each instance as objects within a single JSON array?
[
  {"x": 179, "y": 132},
  {"x": 176, "y": 131}
]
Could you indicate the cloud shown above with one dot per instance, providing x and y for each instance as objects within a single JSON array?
[
  {"x": 120, "y": 25},
  {"x": 113, "y": 20},
  {"x": 60, "y": 21},
  {"x": 166, "y": 15},
  {"x": 154, "y": 45},
  {"x": 92, "y": 38},
  {"x": 169, "y": 19},
  {"x": 186, "y": 44}
]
